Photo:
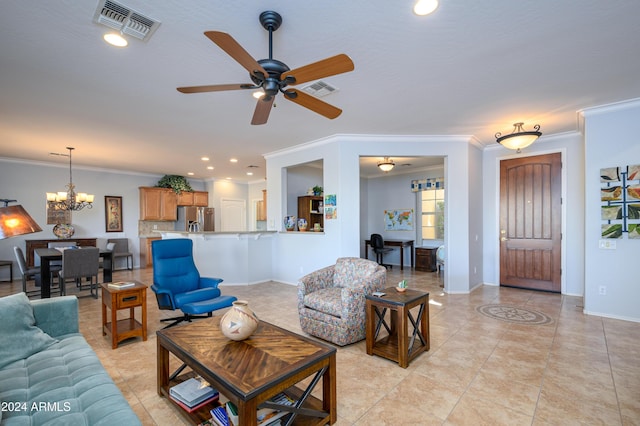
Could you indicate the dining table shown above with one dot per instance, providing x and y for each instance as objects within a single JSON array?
[{"x": 47, "y": 255}]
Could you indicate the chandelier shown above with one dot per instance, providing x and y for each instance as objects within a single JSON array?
[
  {"x": 69, "y": 199},
  {"x": 386, "y": 165},
  {"x": 519, "y": 138}
]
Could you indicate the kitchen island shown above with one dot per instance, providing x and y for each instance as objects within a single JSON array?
[{"x": 239, "y": 258}]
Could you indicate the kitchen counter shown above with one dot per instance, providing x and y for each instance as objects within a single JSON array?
[
  {"x": 239, "y": 258},
  {"x": 205, "y": 234}
]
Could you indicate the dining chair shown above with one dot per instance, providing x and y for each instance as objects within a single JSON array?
[
  {"x": 57, "y": 264},
  {"x": 78, "y": 264},
  {"x": 120, "y": 250},
  {"x": 109, "y": 247},
  {"x": 27, "y": 273}
]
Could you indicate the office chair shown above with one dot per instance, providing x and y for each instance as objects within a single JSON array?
[{"x": 377, "y": 244}]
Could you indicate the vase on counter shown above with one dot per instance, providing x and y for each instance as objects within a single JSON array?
[
  {"x": 239, "y": 322},
  {"x": 290, "y": 223},
  {"x": 302, "y": 225}
]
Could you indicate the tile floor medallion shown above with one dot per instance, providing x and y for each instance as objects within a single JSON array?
[{"x": 514, "y": 314}]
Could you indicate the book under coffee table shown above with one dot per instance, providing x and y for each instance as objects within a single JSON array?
[{"x": 251, "y": 372}]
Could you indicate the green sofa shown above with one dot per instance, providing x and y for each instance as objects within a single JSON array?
[{"x": 49, "y": 375}]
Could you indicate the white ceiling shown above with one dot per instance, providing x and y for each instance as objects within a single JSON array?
[{"x": 474, "y": 67}]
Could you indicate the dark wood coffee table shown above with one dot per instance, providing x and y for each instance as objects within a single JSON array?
[{"x": 252, "y": 371}]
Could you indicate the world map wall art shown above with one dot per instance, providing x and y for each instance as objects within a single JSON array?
[{"x": 620, "y": 197}]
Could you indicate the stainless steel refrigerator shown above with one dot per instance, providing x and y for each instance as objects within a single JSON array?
[{"x": 196, "y": 219}]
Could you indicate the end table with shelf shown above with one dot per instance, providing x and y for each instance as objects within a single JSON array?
[
  {"x": 397, "y": 345},
  {"x": 119, "y": 299}
]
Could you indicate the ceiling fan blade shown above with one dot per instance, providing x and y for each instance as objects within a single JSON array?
[
  {"x": 261, "y": 113},
  {"x": 237, "y": 52},
  {"x": 324, "y": 68},
  {"x": 312, "y": 103},
  {"x": 215, "y": 88}
]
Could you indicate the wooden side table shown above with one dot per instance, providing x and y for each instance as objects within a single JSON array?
[
  {"x": 397, "y": 345},
  {"x": 125, "y": 298}
]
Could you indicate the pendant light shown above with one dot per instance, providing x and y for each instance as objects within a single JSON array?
[
  {"x": 386, "y": 165},
  {"x": 69, "y": 199},
  {"x": 519, "y": 138}
]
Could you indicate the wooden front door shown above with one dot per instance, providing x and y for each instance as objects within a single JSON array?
[{"x": 530, "y": 229}]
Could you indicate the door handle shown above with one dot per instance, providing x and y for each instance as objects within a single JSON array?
[
  {"x": 503, "y": 234},
  {"x": 504, "y": 239}
]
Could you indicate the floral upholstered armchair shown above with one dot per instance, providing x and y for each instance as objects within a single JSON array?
[{"x": 331, "y": 301}]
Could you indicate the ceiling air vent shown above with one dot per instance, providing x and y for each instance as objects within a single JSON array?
[
  {"x": 124, "y": 19},
  {"x": 319, "y": 89}
]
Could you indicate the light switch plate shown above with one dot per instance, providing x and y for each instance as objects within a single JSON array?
[{"x": 607, "y": 244}]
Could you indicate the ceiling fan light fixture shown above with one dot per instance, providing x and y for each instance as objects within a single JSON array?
[
  {"x": 115, "y": 39},
  {"x": 386, "y": 165},
  {"x": 519, "y": 138},
  {"x": 258, "y": 94},
  {"x": 425, "y": 7}
]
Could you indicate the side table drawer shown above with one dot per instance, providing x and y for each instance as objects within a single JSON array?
[{"x": 128, "y": 300}]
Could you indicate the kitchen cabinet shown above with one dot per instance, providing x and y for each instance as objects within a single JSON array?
[
  {"x": 261, "y": 213},
  {"x": 426, "y": 259},
  {"x": 146, "y": 255},
  {"x": 158, "y": 204},
  {"x": 311, "y": 208},
  {"x": 195, "y": 198}
]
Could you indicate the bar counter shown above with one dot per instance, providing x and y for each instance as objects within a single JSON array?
[{"x": 239, "y": 258}]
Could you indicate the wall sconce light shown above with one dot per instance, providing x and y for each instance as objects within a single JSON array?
[
  {"x": 386, "y": 165},
  {"x": 14, "y": 220},
  {"x": 519, "y": 138}
]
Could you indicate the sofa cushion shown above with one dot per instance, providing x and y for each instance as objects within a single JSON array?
[
  {"x": 352, "y": 271},
  {"x": 327, "y": 300},
  {"x": 68, "y": 378},
  {"x": 19, "y": 335}
]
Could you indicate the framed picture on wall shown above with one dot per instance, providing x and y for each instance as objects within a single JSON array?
[
  {"x": 113, "y": 213},
  {"x": 55, "y": 217}
]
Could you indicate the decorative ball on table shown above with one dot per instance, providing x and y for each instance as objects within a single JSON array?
[{"x": 239, "y": 322}]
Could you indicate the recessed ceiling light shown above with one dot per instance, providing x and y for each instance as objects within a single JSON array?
[
  {"x": 234, "y": 160},
  {"x": 249, "y": 173},
  {"x": 209, "y": 167},
  {"x": 425, "y": 7},
  {"x": 228, "y": 178},
  {"x": 115, "y": 39},
  {"x": 204, "y": 158},
  {"x": 190, "y": 174}
]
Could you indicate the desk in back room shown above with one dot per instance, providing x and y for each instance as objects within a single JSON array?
[{"x": 393, "y": 243}]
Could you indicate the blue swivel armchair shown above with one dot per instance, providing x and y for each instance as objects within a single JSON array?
[{"x": 177, "y": 283}]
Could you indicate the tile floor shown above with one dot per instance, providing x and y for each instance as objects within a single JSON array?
[{"x": 580, "y": 369}]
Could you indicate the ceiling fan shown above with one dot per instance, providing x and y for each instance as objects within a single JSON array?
[{"x": 273, "y": 76}]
